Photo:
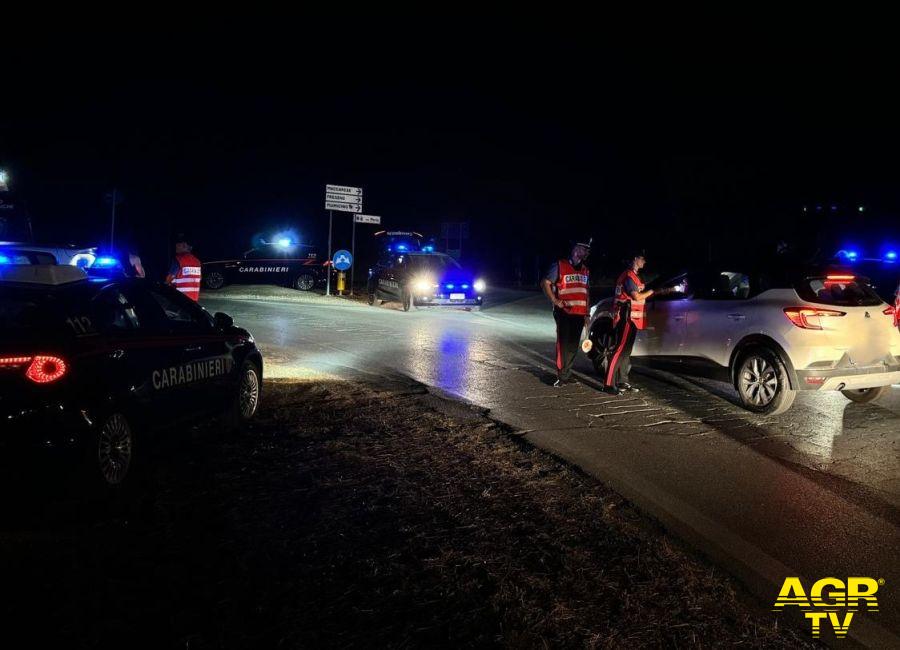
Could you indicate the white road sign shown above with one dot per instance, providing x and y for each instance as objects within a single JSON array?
[
  {"x": 367, "y": 218},
  {"x": 343, "y": 189},
  {"x": 343, "y": 207},
  {"x": 343, "y": 198}
]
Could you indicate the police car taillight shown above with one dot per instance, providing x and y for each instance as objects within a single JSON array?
[{"x": 41, "y": 369}]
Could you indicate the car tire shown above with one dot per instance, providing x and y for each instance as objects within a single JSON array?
[
  {"x": 110, "y": 454},
  {"x": 214, "y": 280},
  {"x": 305, "y": 282},
  {"x": 603, "y": 337},
  {"x": 407, "y": 301},
  {"x": 762, "y": 382},
  {"x": 865, "y": 395},
  {"x": 247, "y": 397},
  {"x": 371, "y": 299}
]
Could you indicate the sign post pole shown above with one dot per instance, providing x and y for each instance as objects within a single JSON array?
[
  {"x": 353, "y": 252},
  {"x": 328, "y": 271}
]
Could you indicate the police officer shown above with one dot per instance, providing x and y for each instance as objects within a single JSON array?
[
  {"x": 628, "y": 317},
  {"x": 184, "y": 274},
  {"x": 566, "y": 285}
]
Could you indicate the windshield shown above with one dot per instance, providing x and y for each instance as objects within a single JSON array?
[{"x": 434, "y": 262}]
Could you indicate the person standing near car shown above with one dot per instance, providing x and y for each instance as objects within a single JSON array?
[
  {"x": 567, "y": 287},
  {"x": 184, "y": 274},
  {"x": 628, "y": 317}
]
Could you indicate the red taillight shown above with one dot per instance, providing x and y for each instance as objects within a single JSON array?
[
  {"x": 800, "y": 316},
  {"x": 889, "y": 311},
  {"x": 42, "y": 369},
  {"x": 840, "y": 278}
]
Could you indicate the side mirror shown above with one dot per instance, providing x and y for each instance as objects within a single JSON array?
[{"x": 223, "y": 321}]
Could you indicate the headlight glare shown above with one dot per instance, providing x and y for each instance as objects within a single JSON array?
[{"x": 479, "y": 285}]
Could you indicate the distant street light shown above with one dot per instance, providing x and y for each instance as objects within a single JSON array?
[{"x": 4, "y": 180}]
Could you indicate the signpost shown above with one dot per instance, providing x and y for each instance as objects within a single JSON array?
[{"x": 342, "y": 198}]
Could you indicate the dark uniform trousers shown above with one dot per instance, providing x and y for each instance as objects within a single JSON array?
[
  {"x": 620, "y": 360},
  {"x": 568, "y": 340}
]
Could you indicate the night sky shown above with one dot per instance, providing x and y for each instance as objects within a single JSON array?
[{"x": 686, "y": 148}]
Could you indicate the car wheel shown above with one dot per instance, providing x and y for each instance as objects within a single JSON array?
[
  {"x": 407, "y": 301},
  {"x": 246, "y": 399},
  {"x": 305, "y": 282},
  {"x": 603, "y": 337},
  {"x": 864, "y": 395},
  {"x": 371, "y": 299},
  {"x": 214, "y": 280},
  {"x": 113, "y": 449},
  {"x": 762, "y": 382}
]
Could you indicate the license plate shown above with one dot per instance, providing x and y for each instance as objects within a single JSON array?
[{"x": 457, "y": 296}]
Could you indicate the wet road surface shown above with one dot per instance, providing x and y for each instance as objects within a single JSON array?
[{"x": 812, "y": 493}]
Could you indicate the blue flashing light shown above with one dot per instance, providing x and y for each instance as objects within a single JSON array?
[
  {"x": 427, "y": 249},
  {"x": 852, "y": 255},
  {"x": 465, "y": 286},
  {"x": 401, "y": 247},
  {"x": 450, "y": 285},
  {"x": 891, "y": 256},
  {"x": 284, "y": 242},
  {"x": 105, "y": 262},
  {"x": 4, "y": 259}
]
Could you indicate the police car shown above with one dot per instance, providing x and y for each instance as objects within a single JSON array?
[
  {"x": 769, "y": 334},
  {"x": 280, "y": 263},
  {"x": 95, "y": 364},
  {"x": 24, "y": 253},
  {"x": 423, "y": 278}
]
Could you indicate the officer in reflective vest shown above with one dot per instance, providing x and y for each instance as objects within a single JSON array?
[
  {"x": 566, "y": 285},
  {"x": 628, "y": 317},
  {"x": 184, "y": 274}
]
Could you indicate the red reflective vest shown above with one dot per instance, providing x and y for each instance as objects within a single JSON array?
[
  {"x": 572, "y": 288},
  {"x": 187, "y": 280},
  {"x": 623, "y": 299}
]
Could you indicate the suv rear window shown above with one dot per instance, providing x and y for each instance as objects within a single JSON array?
[{"x": 839, "y": 289}]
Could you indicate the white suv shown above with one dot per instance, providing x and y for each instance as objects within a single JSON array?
[{"x": 769, "y": 336}]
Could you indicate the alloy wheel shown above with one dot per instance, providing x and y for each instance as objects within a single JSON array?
[
  {"x": 249, "y": 397},
  {"x": 758, "y": 381},
  {"x": 114, "y": 449}
]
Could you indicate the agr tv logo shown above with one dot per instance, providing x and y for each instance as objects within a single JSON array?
[{"x": 830, "y": 601}]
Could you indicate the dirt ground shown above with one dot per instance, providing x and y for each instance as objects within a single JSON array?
[{"x": 353, "y": 516}]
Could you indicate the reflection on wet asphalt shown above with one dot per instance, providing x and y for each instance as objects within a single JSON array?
[{"x": 816, "y": 489}]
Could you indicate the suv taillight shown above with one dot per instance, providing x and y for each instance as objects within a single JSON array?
[
  {"x": 800, "y": 316},
  {"x": 41, "y": 368},
  {"x": 889, "y": 311}
]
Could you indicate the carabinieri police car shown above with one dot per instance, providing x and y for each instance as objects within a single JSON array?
[
  {"x": 91, "y": 364},
  {"x": 423, "y": 278},
  {"x": 278, "y": 263}
]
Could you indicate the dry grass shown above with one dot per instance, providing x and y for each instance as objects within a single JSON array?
[{"x": 348, "y": 516}]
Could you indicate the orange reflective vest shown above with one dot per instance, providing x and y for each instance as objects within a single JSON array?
[
  {"x": 572, "y": 288},
  {"x": 187, "y": 280},
  {"x": 623, "y": 300}
]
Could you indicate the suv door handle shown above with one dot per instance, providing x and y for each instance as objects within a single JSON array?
[
  {"x": 736, "y": 316},
  {"x": 117, "y": 354},
  {"x": 193, "y": 348}
]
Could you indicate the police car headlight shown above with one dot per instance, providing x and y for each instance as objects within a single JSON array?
[
  {"x": 479, "y": 285},
  {"x": 82, "y": 260},
  {"x": 423, "y": 286}
]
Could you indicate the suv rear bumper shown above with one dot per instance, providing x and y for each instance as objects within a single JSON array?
[{"x": 848, "y": 378}]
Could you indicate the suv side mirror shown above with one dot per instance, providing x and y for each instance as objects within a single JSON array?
[{"x": 223, "y": 321}]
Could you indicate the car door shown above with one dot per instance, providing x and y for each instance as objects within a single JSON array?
[
  {"x": 389, "y": 279},
  {"x": 665, "y": 316},
  {"x": 719, "y": 316},
  {"x": 131, "y": 356},
  {"x": 205, "y": 366}
]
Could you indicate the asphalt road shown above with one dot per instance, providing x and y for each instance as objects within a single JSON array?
[{"x": 811, "y": 493}]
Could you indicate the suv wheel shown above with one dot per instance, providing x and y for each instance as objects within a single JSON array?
[
  {"x": 305, "y": 282},
  {"x": 407, "y": 300},
  {"x": 603, "y": 338},
  {"x": 214, "y": 280},
  {"x": 762, "y": 382},
  {"x": 864, "y": 395}
]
